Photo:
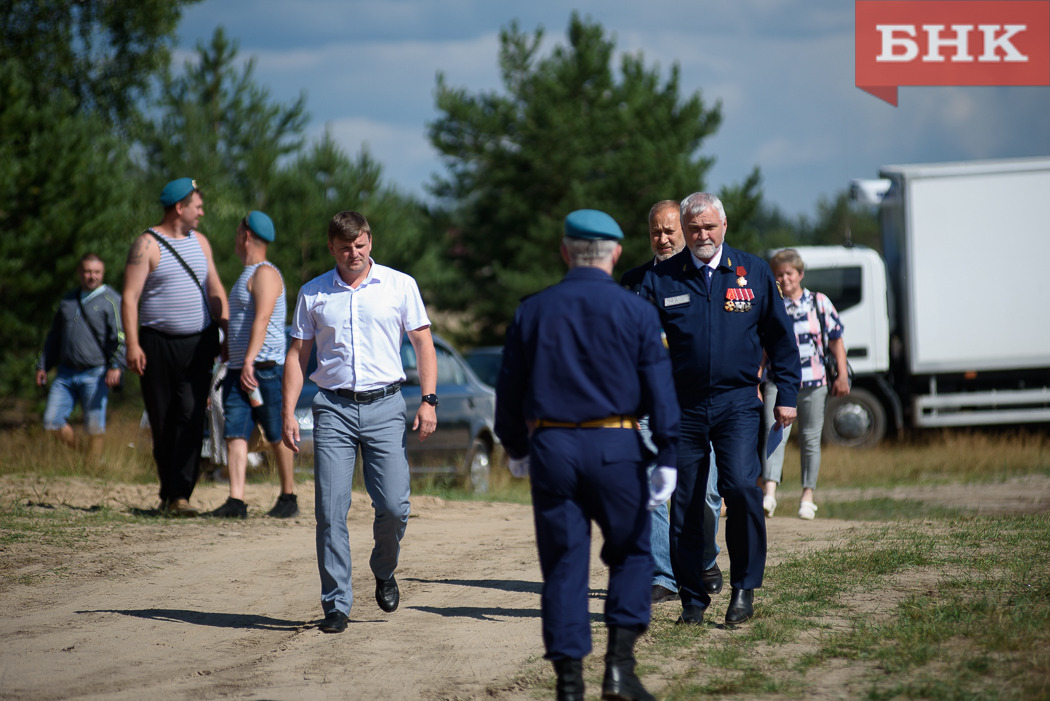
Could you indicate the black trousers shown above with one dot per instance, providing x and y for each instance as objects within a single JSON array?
[{"x": 175, "y": 390}]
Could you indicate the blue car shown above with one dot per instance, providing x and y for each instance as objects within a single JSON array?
[{"x": 464, "y": 442}]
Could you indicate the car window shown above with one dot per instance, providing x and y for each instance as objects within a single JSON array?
[
  {"x": 408, "y": 356},
  {"x": 485, "y": 366},
  {"x": 841, "y": 285},
  {"x": 449, "y": 371}
]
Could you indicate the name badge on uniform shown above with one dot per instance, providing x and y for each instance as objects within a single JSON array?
[
  {"x": 739, "y": 300},
  {"x": 676, "y": 301}
]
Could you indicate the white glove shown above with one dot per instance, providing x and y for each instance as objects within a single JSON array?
[
  {"x": 519, "y": 467},
  {"x": 661, "y": 485}
]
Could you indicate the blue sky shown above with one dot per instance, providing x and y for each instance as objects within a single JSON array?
[{"x": 783, "y": 70}]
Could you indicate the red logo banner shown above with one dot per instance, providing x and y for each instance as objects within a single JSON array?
[{"x": 951, "y": 42}]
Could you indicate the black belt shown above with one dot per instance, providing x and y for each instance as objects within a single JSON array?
[
  {"x": 369, "y": 396},
  {"x": 265, "y": 365}
]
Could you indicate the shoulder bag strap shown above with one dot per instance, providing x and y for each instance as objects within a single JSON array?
[
  {"x": 94, "y": 332},
  {"x": 185, "y": 265}
]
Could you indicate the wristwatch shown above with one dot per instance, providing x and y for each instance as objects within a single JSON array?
[{"x": 431, "y": 399}]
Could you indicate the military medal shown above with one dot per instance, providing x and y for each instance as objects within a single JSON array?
[
  {"x": 741, "y": 281},
  {"x": 739, "y": 300}
]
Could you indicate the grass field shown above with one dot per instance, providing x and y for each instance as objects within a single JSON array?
[{"x": 930, "y": 457}]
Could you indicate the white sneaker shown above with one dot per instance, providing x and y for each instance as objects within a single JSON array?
[
  {"x": 807, "y": 510},
  {"x": 769, "y": 505}
]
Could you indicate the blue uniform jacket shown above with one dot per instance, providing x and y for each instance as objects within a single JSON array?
[
  {"x": 581, "y": 350},
  {"x": 716, "y": 353}
]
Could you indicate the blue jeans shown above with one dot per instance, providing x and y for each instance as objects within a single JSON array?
[
  {"x": 378, "y": 428},
  {"x": 241, "y": 416},
  {"x": 663, "y": 575},
  {"x": 71, "y": 386}
]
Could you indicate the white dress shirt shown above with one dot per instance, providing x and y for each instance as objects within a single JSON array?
[{"x": 358, "y": 331}]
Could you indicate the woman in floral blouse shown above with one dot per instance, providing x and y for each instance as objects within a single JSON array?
[{"x": 804, "y": 307}]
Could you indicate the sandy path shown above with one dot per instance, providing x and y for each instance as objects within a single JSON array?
[{"x": 203, "y": 610}]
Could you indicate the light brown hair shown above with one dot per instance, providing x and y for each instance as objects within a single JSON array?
[{"x": 789, "y": 256}]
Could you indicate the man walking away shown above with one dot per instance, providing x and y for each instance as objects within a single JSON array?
[{"x": 582, "y": 360}]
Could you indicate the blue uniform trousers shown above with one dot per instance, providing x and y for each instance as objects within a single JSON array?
[
  {"x": 733, "y": 429},
  {"x": 579, "y": 475}
]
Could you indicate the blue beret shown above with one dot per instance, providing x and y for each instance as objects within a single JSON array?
[
  {"x": 592, "y": 224},
  {"x": 176, "y": 190},
  {"x": 260, "y": 224}
]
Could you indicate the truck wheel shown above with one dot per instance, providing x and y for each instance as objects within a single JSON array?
[
  {"x": 478, "y": 466},
  {"x": 857, "y": 420}
]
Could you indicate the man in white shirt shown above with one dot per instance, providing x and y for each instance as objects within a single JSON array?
[{"x": 357, "y": 314}]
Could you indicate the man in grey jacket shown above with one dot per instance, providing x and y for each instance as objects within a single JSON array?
[{"x": 86, "y": 344}]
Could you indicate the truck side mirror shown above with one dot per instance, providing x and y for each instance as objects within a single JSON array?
[{"x": 411, "y": 376}]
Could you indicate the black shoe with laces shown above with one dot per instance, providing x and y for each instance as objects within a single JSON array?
[
  {"x": 233, "y": 508},
  {"x": 286, "y": 507}
]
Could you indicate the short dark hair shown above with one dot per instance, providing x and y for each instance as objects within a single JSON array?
[
  {"x": 251, "y": 234},
  {"x": 89, "y": 256},
  {"x": 348, "y": 226},
  {"x": 184, "y": 201}
]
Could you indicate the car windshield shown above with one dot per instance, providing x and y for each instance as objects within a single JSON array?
[{"x": 485, "y": 366}]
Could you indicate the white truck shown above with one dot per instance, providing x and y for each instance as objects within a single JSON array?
[{"x": 952, "y": 327}]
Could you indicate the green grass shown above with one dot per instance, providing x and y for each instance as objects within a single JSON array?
[{"x": 973, "y": 623}]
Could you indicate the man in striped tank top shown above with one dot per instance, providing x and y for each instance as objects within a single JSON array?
[
  {"x": 251, "y": 392},
  {"x": 173, "y": 306}
]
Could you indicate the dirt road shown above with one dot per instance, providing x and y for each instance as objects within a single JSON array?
[{"x": 205, "y": 609}]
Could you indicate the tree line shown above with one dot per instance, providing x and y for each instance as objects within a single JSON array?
[{"x": 94, "y": 119}]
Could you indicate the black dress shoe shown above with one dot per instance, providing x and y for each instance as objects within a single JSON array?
[
  {"x": 712, "y": 580},
  {"x": 741, "y": 606},
  {"x": 334, "y": 622},
  {"x": 570, "y": 679},
  {"x": 387, "y": 594},
  {"x": 620, "y": 682},
  {"x": 662, "y": 594},
  {"x": 691, "y": 615}
]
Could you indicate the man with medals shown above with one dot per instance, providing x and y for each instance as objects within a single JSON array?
[{"x": 720, "y": 308}]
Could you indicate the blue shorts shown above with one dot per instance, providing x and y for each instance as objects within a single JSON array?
[
  {"x": 241, "y": 416},
  {"x": 71, "y": 386}
]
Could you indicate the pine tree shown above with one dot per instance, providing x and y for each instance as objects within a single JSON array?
[
  {"x": 217, "y": 125},
  {"x": 565, "y": 134}
]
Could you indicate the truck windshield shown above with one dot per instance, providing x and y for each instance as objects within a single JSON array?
[{"x": 841, "y": 285}]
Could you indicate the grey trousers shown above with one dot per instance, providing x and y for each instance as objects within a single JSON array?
[
  {"x": 341, "y": 426},
  {"x": 810, "y": 421}
]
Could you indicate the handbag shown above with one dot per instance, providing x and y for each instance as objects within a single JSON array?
[{"x": 831, "y": 368}]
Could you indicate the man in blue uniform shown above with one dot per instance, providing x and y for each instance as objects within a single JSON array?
[
  {"x": 720, "y": 308},
  {"x": 665, "y": 240},
  {"x": 582, "y": 359}
]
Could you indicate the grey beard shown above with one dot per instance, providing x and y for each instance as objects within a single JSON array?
[
  {"x": 705, "y": 251},
  {"x": 660, "y": 258}
]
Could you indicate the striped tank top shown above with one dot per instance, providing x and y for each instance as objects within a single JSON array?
[
  {"x": 242, "y": 315},
  {"x": 171, "y": 301}
]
